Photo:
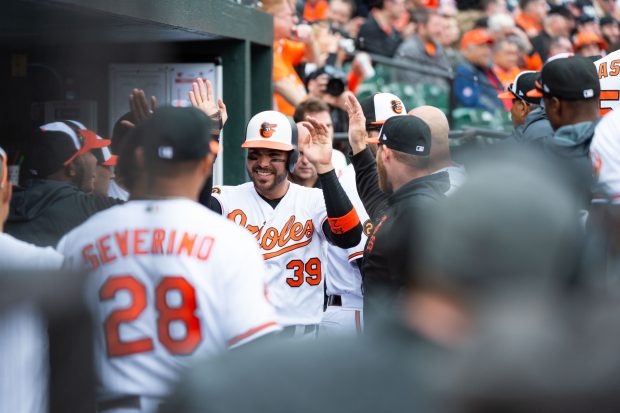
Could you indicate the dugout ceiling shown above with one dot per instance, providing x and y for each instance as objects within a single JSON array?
[{"x": 48, "y": 46}]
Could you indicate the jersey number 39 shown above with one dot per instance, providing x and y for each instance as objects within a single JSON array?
[{"x": 166, "y": 314}]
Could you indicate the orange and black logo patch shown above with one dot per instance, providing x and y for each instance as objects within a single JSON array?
[
  {"x": 367, "y": 227},
  {"x": 267, "y": 129},
  {"x": 216, "y": 190},
  {"x": 397, "y": 106}
]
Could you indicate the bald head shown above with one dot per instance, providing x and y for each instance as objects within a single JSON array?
[{"x": 438, "y": 123}]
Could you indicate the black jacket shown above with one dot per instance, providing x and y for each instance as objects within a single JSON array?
[
  {"x": 389, "y": 251},
  {"x": 43, "y": 211},
  {"x": 372, "y": 39}
]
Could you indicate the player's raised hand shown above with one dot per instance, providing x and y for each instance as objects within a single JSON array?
[
  {"x": 357, "y": 123},
  {"x": 139, "y": 107},
  {"x": 317, "y": 148},
  {"x": 201, "y": 97}
]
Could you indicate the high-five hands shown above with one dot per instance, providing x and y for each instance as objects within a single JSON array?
[
  {"x": 357, "y": 124},
  {"x": 201, "y": 97},
  {"x": 317, "y": 147},
  {"x": 139, "y": 107}
]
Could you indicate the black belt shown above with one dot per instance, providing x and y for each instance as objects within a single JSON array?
[
  {"x": 334, "y": 300},
  {"x": 123, "y": 402}
]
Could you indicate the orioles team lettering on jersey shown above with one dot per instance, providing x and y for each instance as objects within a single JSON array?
[
  {"x": 290, "y": 237},
  {"x": 270, "y": 237},
  {"x": 608, "y": 74}
]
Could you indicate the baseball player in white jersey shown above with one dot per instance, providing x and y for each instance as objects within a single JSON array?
[
  {"x": 291, "y": 223},
  {"x": 608, "y": 69},
  {"x": 605, "y": 157},
  {"x": 168, "y": 280},
  {"x": 343, "y": 285}
]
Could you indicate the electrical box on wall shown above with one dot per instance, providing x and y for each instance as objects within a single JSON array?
[
  {"x": 84, "y": 111},
  {"x": 170, "y": 83}
]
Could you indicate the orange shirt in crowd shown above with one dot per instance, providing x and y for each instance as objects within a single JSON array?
[
  {"x": 433, "y": 4},
  {"x": 530, "y": 25},
  {"x": 286, "y": 55},
  {"x": 506, "y": 77},
  {"x": 316, "y": 12},
  {"x": 533, "y": 62}
]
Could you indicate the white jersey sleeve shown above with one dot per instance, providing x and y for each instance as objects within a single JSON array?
[
  {"x": 246, "y": 311},
  {"x": 19, "y": 255},
  {"x": 605, "y": 157}
]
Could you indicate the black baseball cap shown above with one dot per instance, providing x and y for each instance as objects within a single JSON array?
[
  {"x": 523, "y": 83},
  {"x": 408, "y": 134},
  {"x": 176, "y": 134},
  {"x": 568, "y": 78},
  {"x": 380, "y": 107},
  {"x": 57, "y": 144},
  {"x": 606, "y": 20},
  {"x": 561, "y": 11}
]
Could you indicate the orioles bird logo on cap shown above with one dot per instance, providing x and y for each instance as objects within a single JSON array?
[
  {"x": 397, "y": 106},
  {"x": 267, "y": 129}
]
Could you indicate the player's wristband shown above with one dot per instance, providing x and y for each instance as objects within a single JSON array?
[
  {"x": 344, "y": 223},
  {"x": 218, "y": 125}
]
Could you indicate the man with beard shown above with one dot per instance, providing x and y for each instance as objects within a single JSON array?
[
  {"x": 394, "y": 193},
  {"x": 291, "y": 223}
]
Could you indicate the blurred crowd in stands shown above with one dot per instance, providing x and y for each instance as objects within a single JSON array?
[{"x": 468, "y": 51}]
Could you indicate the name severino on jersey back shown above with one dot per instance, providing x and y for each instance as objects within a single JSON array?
[{"x": 146, "y": 241}]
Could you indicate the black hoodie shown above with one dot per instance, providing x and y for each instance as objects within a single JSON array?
[
  {"x": 43, "y": 211},
  {"x": 389, "y": 253}
]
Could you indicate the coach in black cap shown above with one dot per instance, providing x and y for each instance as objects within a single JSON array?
[
  {"x": 394, "y": 194},
  {"x": 528, "y": 117},
  {"x": 570, "y": 90}
]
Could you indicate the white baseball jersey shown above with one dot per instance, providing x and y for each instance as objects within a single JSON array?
[
  {"x": 605, "y": 156},
  {"x": 169, "y": 282},
  {"x": 291, "y": 240},
  {"x": 609, "y": 75},
  {"x": 343, "y": 274},
  {"x": 23, "y": 331}
]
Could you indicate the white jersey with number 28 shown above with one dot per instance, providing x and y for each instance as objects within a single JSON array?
[{"x": 168, "y": 282}]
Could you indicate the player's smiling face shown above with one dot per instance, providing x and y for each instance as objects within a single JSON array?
[{"x": 267, "y": 170}]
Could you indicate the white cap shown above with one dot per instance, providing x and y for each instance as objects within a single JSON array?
[
  {"x": 269, "y": 129},
  {"x": 387, "y": 105}
]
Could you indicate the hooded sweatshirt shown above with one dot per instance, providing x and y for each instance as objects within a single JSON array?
[
  {"x": 570, "y": 145},
  {"x": 43, "y": 210},
  {"x": 535, "y": 129}
]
